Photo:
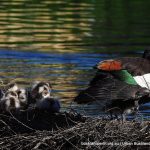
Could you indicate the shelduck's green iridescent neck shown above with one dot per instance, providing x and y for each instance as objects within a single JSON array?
[{"x": 124, "y": 75}]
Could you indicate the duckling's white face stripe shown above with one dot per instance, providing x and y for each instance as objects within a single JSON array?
[
  {"x": 143, "y": 81},
  {"x": 41, "y": 90},
  {"x": 23, "y": 91},
  {"x": 14, "y": 88},
  {"x": 8, "y": 103},
  {"x": 35, "y": 84}
]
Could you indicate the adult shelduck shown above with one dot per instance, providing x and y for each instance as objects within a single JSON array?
[{"x": 119, "y": 85}]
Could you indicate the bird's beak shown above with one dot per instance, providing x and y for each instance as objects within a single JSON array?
[{"x": 146, "y": 92}]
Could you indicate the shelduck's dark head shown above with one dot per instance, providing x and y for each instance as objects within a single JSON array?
[
  {"x": 126, "y": 63},
  {"x": 135, "y": 69},
  {"x": 146, "y": 54}
]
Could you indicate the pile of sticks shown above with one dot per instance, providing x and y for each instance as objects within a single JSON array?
[{"x": 41, "y": 130}]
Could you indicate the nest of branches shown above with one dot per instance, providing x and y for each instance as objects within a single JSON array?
[{"x": 42, "y": 130}]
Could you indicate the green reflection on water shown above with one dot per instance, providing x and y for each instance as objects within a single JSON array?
[
  {"x": 44, "y": 25},
  {"x": 73, "y": 26}
]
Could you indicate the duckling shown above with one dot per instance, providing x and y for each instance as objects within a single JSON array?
[
  {"x": 40, "y": 90},
  {"x": 10, "y": 102},
  {"x": 22, "y": 96},
  {"x": 41, "y": 95},
  {"x": 13, "y": 91}
]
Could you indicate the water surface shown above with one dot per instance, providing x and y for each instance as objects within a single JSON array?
[{"x": 60, "y": 41}]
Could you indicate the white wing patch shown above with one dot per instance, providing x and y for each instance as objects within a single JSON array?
[{"x": 143, "y": 81}]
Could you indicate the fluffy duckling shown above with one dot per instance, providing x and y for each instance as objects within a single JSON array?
[
  {"x": 22, "y": 96},
  {"x": 14, "y": 98},
  {"x": 41, "y": 95},
  {"x": 10, "y": 102},
  {"x": 137, "y": 67},
  {"x": 40, "y": 90}
]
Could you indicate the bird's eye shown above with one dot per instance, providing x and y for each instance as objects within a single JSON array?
[
  {"x": 13, "y": 94},
  {"x": 19, "y": 92},
  {"x": 45, "y": 89},
  {"x": 45, "y": 92}
]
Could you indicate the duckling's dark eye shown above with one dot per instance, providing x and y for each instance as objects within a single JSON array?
[
  {"x": 19, "y": 92},
  {"x": 13, "y": 94},
  {"x": 11, "y": 85},
  {"x": 49, "y": 85},
  {"x": 45, "y": 89},
  {"x": 22, "y": 98}
]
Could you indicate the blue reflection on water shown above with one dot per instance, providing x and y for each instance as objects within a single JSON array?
[
  {"x": 77, "y": 61},
  {"x": 54, "y": 58}
]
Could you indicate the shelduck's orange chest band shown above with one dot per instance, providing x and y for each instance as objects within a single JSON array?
[{"x": 110, "y": 65}]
